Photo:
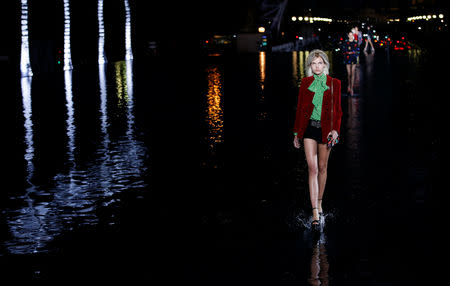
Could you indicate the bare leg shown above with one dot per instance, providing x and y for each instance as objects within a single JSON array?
[
  {"x": 371, "y": 45},
  {"x": 324, "y": 154},
  {"x": 353, "y": 71},
  {"x": 349, "y": 77},
  {"x": 313, "y": 171}
]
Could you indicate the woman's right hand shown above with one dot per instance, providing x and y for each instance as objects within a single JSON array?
[{"x": 296, "y": 142}]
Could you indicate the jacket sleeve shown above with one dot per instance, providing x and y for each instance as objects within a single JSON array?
[
  {"x": 337, "y": 108},
  {"x": 298, "y": 113}
]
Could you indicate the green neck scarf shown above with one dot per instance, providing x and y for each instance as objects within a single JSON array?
[{"x": 318, "y": 86}]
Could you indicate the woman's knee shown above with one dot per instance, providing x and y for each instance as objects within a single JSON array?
[
  {"x": 313, "y": 169},
  {"x": 322, "y": 168}
]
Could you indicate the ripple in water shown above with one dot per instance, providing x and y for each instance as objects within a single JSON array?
[{"x": 74, "y": 198}]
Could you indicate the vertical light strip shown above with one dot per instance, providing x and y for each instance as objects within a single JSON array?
[
  {"x": 103, "y": 104},
  {"x": 130, "y": 114},
  {"x": 101, "y": 34},
  {"x": 70, "y": 116},
  {"x": 28, "y": 124},
  {"x": 215, "y": 112},
  {"x": 67, "y": 54},
  {"x": 295, "y": 68},
  {"x": 105, "y": 171},
  {"x": 128, "y": 50},
  {"x": 301, "y": 61},
  {"x": 25, "y": 66},
  {"x": 262, "y": 69}
]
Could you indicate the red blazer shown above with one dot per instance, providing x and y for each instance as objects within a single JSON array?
[{"x": 305, "y": 107}]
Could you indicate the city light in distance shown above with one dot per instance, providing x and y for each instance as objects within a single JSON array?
[
  {"x": 425, "y": 17},
  {"x": 311, "y": 19}
]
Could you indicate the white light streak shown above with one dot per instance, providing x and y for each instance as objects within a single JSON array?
[
  {"x": 70, "y": 115},
  {"x": 28, "y": 124},
  {"x": 130, "y": 113},
  {"x": 25, "y": 66},
  {"x": 101, "y": 34},
  {"x": 67, "y": 54},
  {"x": 128, "y": 50}
]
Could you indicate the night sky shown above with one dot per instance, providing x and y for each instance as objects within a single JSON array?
[
  {"x": 172, "y": 20},
  {"x": 193, "y": 16}
]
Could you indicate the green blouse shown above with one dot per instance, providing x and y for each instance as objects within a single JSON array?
[{"x": 318, "y": 86}]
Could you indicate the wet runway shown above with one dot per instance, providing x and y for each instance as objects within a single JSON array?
[{"x": 177, "y": 169}]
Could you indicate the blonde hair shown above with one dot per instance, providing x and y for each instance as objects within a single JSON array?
[{"x": 316, "y": 54}]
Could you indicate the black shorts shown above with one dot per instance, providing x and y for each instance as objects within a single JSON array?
[{"x": 313, "y": 132}]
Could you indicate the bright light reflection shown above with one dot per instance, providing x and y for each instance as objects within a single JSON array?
[
  {"x": 72, "y": 198},
  {"x": 70, "y": 126},
  {"x": 105, "y": 171},
  {"x": 295, "y": 68},
  {"x": 124, "y": 88},
  {"x": 103, "y": 105},
  {"x": 121, "y": 83},
  {"x": 262, "y": 69},
  {"x": 262, "y": 113},
  {"x": 215, "y": 113},
  {"x": 301, "y": 62},
  {"x": 130, "y": 114},
  {"x": 28, "y": 124}
]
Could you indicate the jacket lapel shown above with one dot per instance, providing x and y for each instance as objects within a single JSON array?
[
  {"x": 309, "y": 94},
  {"x": 327, "y": 92}
]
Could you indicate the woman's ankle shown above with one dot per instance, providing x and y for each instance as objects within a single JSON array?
[
  {"x": 319, "y": 206},
  {"x": 315, "y": 213}
]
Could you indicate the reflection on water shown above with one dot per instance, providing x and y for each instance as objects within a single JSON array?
[
  {"x": 70, "y": 113},
  {"x": 415, "y": 55},
  {"x": 214, "y": 107},
  {"x": 73, "y": 197},
  {"x": 262, "y": 111},
  {"x": 28, "y": 125},
  {"x": 353, "y": 127},
  {"x": 298, "y": 66},
  {"x": 103, "y": 105},
  {"x": 121, "y": 83},
  {"x": 319, "y": 263},
  {"x": 262, "y": 69}
]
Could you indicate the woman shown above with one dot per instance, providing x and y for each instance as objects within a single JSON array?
[
  {"x": 358, "y": 37},
  {"x": 318, "y": 116},
  {"x": 350, "y": 50},
  {"x": 369, "y": 40},
  {"x": 355, "y": 34}
]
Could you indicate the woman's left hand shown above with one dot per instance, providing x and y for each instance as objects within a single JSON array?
[{"x": 334, "y": 134}]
